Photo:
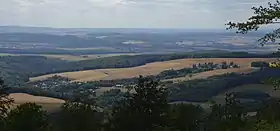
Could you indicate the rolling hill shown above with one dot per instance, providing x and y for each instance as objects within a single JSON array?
[{"x": 153, "y": 69}]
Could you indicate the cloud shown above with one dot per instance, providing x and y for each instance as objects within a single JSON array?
[{"x": 125, "y": 13}]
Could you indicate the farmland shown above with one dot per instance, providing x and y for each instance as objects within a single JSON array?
[
  {"x": 48, "y": 103},
  {"x": 153, "y": 69},
  {"x": 206, "y": 74}
]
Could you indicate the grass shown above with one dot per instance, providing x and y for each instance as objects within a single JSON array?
[{"x": 153, "y": 69}]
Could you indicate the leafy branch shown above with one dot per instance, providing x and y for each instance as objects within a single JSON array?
[{"x": 262, "y": 16}]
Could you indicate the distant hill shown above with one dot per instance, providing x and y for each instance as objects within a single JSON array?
[{"x": 30, "y": 29}]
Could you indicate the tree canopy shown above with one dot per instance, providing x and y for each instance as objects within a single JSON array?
[{"x": 262, "y": 16}]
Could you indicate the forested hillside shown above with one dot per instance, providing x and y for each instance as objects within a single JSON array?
[
  {"x": 17, "y": 69},
  {"x": 148, "y": 105}
]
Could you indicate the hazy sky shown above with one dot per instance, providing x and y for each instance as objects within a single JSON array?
[{"x": 125, "y": 13}]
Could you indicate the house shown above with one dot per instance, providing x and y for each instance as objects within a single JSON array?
[{"x": 119, "y": 86}]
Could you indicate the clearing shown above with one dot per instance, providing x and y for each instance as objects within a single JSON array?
[{"x": 154, "y": 69}]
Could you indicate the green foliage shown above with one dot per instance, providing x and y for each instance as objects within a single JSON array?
[
  {"x": 275, "y": 82},
  {"x": 259, "y": 64},
  {"x": 262, "y": 16},
  {"x": 228, "y": 117},
  {"x": 264, "y": 126},
  {"x": 109, "y": 98},
  {"x": 201, "y": 90},
  {"x": 144, "y": 110},
  {"x": 270, "y": 111},
  {"x": 29, "y": 117},
  {"x": 197, "y": 68},
  {"x": 184, "y": 117},
  {"x": 5, "y": 103},
  {"x": 76, "y": 116}
]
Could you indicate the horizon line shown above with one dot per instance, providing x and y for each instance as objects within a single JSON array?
[{"x": 28, "y": 26}]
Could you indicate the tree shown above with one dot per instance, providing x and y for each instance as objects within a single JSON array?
[
  {"x": 270, "y": 111},
  {"x": 76, "y": 116},
  {"x": 144, "y": 110},
  {"x": 228, "y": 117},
  {"x": 224, "y": 65},
  {"x": 262, "y": 16},
  {"x": 260, "y": 64},
  {"x": 29, "y": 117},
  {"x": 5, "y": 103},
  {"x": 265, "y": 126},
  {"x": 231, "y": 63},
  {"x": 275, "y": 82},
  {"x": 186, "y": 117}
]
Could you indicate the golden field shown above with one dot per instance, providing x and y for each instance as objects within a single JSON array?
[
  {"x": 154, "y": 68},
  {"x": 48, "y": 103}
]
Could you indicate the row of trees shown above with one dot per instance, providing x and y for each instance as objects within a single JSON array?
[{"x": 145, "y": 110}]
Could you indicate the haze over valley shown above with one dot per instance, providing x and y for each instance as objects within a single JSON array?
[{"x": 51, "y": 41}]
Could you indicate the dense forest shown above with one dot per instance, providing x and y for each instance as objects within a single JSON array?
[{"x": 146, "y": 109}]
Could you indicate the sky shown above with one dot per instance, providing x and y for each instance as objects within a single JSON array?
[{"x": 192, "y": 14}]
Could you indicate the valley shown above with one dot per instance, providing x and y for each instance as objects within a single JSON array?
[
  {"x": 155, "y": 68},
  {"x": 139, "y": 65},
  {"x": 49, "y": 68}
]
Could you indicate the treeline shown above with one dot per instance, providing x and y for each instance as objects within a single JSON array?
[
  {"x": 261, "y": 64},
  {"x": 197, "y": 68},
  {"x": 145, "y": 110}
]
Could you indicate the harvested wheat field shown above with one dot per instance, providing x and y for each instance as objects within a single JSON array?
[
  {"x": 148, "y": 69},
  {"x": 48, "y": 103},
  {"x": 23, "y": 98}
]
